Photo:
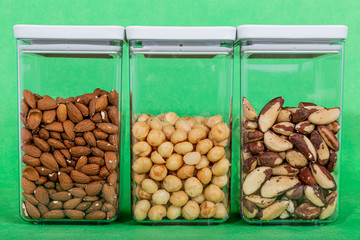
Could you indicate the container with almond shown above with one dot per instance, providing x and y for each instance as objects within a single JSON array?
[{"x": 69, "y": 127}]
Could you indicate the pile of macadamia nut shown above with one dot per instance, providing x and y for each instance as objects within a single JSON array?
[{"x": 180, "y": 167}]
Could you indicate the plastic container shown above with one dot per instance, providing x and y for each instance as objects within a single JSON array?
[
  {"x": 181, "y": 77},
  {"x": 69, "y": 82},
  {"x": 291, "y": 90}
]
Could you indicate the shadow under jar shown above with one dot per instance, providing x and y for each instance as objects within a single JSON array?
[
  {"x": 69, "y": 83},
  {"x": 291, "y": 90},
  {"x": 181, "y": 95}
]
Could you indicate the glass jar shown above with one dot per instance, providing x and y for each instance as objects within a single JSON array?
[
  {"x": 69, "y": 83},
  {"x": 181, "y": 101},
  {"x": 291, "y": 90}
]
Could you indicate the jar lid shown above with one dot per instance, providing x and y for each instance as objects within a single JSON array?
[
  {"x": 292, "y": 33},
  {"x": 61, "y": 32},
  {"x": 180, "y": 33}
]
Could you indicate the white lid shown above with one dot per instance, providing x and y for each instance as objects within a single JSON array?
[
  {"x": 328, "y": 33},
  {"x": 180, "y": 33},
  {"x": 69, "y": 32}
]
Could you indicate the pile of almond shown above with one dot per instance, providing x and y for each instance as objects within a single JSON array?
[
  {"x": 71, "y": 156},
  {"x": 180, "y": 167},
  {"x": 288, "y": 155}
]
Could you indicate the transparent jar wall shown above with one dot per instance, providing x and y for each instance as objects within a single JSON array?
[
  {"x": 188, "y": 85},
  {"x": 297, "y": 77},
  {"x": 69, "y": 75}
]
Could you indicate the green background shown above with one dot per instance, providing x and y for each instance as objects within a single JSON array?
[{"x": 186, "y": 13}]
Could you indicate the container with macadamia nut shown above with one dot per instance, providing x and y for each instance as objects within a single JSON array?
[
  {"x": 291, "y": 95},
  {"x": 69, "y": 123},
  {"x": 181, "y": 95}
]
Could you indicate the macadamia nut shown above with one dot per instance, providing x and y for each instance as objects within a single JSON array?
[
  {"x": 191, "y": 210},
  {"x": 142, "y": 194},
  {"x": 157, "y": 212},
  {"x": 215, "y": 154},
  {"x": 220, "y": 132},
  {"x": 196, "y": 134},
  {"x": 161, "y": 197},
  {"x": 185, "y": 171},
  {"x": 142, "y": 165},
  {"x": 199, "y": 119},
  {"x": 199, "y": 199},
  {"x": 204, "y": 146},
  {"x": 192, "y": 158},
  {"x": 174, "y": 162},
  {"x": 221, "y": 211},
  {"x": 149, "y": 185},
  {"x": 154, "y": 123},
  {"x": 172, "y": 183},
  {"x": 203, "y": 127},
  {"x": 212, "y": 121},
  {"x": 141, "y": 210},
  {"x": 204, "y": 175},
  {"x": 204, "y": 162},
  {"x": 182, "y": 124},
  {"x": 220, "y": 181},
  {"x": 168, "y": 131},
  {"x": 183, "y": 148},
  {"x": 179, "y": 198},
  {"x": 143, "y": 117},
  {"x": 166, "y": 149},
  {"x": 207, "y": 209},
  {"x": 221, "y": 167},
  {"x": 193, "y": 187},
  {"x": 171, "y": 118},
  {"x": 140, "y": 130},
  {"x": 138, "y": 178},
  {"x": 213, "y": 193},
  {"x": 142, "y": 149}
]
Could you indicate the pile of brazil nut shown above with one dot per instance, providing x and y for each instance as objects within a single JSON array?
[
  {"x": 180, "y": 167},
  {"x": 288, "y": 156},
  {"x": 70, "y": 152}
]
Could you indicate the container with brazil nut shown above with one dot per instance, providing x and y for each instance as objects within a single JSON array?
[
  {"x": 181, "y": 98},
  {"x": 291, "y": 89},
  {"x": 69, "y": 83}
]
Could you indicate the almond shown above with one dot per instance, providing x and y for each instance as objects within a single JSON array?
[
  {"x": 255, "y": 179},
  {"x": 57, "y": 144},
  {"x": 322, "y": 149},
  {"x": 325, "y": 116},
  {"x": 111, "y": 160},
  {"x": 24, "y": 107},
  {"x": 112, "y": 178},
  {"x": 42, "y": 144},
  {"x": 278, "y": 185},
  {"x": 109, "y": 193},
  {"x": 93, "y": 189},
  {"x": 81, "y": 162},
  {"x": 72, "y": 203},
  {"x": 29, "y": 98},
  {"x": 32, "y": 210},
  {"x": 329, "y": 138},
  {"x": 46, "y": 103},
  {"x": 34, "y": 118},
  {"x": 114, "y": 97},
  {"x": 43, "y": 171},
  {"x": 61, "y": 196},
  {"x": 48, "y": 160},
  {"x": 69, "y": 129},
  {"x": 100, "y": 135},
  {"x": 26, "y": 135},
  {"x": 90, "y": 169},
  {"x": 30, "y": 198},
  {"x": 84, "y": 126},
  {"x": 248, "y": 110},
  {"x": 44, "y": 134},
  {"x": 31, "y": 161},
  {"x": 92, "y": 105},
  {"x": 275, "y": 143},
  {"x": 61, "y": 113},
  {"x": 54, "y": 214},
  {"x": 74, "y": 214},
  {"x": 269, "y": 114},
  {"x": 55, "y": 126},
  {"x": 65, "y": 180},
  {"x": 114, "y": 115},
  {"x": 85, "y": 98},
  {"x": 79, "y": 151},
  {"x": 304, "y": 145},
  {"x": 106, "y": 146},
  {"x": 101, "y": 103},
  {"x": 108, "y": 128},
  {"x": 83, "y": 109},
  {"x": 60, "y": 159},
  {"x": 97, "y": 215},
  {"x": 30, "y": 173},
  {"x": 27, "y": 185},
  {"x": 273, "y": 211},
  {"x": 49, "y": 116},
  {"x": 83, "y": 206},
  {"x": 90, "y": 138},
  {"x": 104, "y": 172},
  {"x": 31, "y": 150},
  {"x": 73, "y": 112},
  {"x": 307, "y": 211},
  {"x": 97, "y": 152},
  {"x": 79, "y": 177},
  {"x": 42, "y": 195}
]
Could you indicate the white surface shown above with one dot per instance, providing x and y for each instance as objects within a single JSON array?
[
  {"x": 69, "y": 32},
  {"x": 291, "y": 48},
  {"x": 291, "y": 33},
  {"x": 180, "y": 33},
  {"x": 69, "y": 49}
]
